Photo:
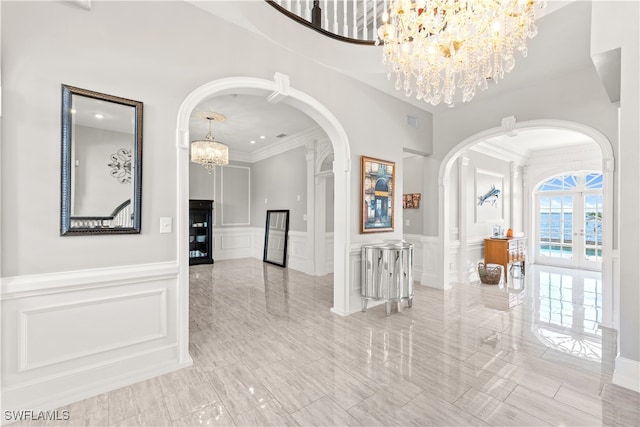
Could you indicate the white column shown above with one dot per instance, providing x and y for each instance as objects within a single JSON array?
[
  {"x": 463, "y": 273},
  {"x": 516, "y": 194},
  {"x": 311, "y": 199},
  {"x": 527, "y": 219},
  {"x": 320, "y": 225}
]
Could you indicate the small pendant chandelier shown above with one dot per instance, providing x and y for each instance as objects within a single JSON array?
[{"x": 208, "y": 152}]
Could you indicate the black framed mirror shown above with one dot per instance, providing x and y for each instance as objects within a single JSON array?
[
  {"x": 275, "y": 237},
  {"x": 101, "y": 185}
]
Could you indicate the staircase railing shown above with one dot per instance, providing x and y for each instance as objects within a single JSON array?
[{"x": 353, "y": 21}]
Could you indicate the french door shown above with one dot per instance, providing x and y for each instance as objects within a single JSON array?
[{"x": 569, "y": 227}]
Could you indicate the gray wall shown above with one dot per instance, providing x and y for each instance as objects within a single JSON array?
[
  {"x": 229, "y": 188},
  {"x": 234, "y": 207},
  {"x": 412, "y": 182},
  {"x": 202, "y": 183},
  {"x": 280, "y": 182},
  {"x": 329, "y": 204}
]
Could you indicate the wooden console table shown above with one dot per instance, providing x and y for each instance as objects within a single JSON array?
[{"x": 506, "y": 252}]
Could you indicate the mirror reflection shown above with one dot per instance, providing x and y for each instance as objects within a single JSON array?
[
  {"x": 275, "y": 237},
  {"x": 101, "y": 163}
]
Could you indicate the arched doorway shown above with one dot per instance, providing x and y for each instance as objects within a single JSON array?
[
  {"x": 444, "y": 197},
  {"x": 567, "y": 220},
  {"x": 280, "y": 92}
]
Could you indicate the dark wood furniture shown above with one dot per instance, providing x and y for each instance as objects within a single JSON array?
[
  {"x": 506, "y": 252},
  {"x": 200, "y": 226}
]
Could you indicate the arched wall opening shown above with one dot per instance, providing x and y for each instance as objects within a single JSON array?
[
  {"x": 610, "y": 292},
  {"x": 280, "y": 92}
]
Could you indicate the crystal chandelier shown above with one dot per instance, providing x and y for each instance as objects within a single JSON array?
[
  {"x": 209, "y": 152},
  {"x": 434, "y": 46}
]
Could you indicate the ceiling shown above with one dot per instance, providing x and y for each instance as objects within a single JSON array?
[
  {"x": 563, "y": 39},
  {"x": 527, "y": 142},
  {"x": 249, "y": 117}
]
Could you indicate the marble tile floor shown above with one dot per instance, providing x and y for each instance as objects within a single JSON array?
[{"x": 268, "y": 352}]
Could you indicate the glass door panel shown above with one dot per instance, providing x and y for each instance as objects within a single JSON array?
[
  {"x": 555, "y": 228},
  {"x": 591, "y": 230}
]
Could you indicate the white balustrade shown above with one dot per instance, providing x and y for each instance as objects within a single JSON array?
[
  {"x": 363, "y": 15},
  {"x": 325, "y": 21},
  {"x": 345, "y": 29},
  {"x": 355, "y": 20},
  {"x": 365, "y": 33}
]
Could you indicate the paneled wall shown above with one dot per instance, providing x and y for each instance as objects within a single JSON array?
[
  {"x": 235, "y": 195},
  {"x": 59, "y": 332}
]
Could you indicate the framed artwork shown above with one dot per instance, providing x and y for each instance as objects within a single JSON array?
[
  {"x": 376, "y": 195},
  {"x": 411, "y": 201},
  {"x": 489, "y": 207}
]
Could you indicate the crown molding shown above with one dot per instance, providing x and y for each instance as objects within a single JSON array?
[
  {"x": 506, "y": 154},
  {"x": 569, "y": 153},
  {"x": 239, "y": 156},
  {"x": 288, "y": 143}
]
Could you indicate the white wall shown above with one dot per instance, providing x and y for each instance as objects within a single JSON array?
[
  {"x": 152, "y": 52},
  {"x": 474, "y": 174},
  {"x": 606, "y": 36},
  {"x": 580, "y": 97},
  {"x": 159, "y": 70}
]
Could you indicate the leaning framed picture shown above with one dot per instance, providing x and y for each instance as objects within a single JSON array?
[{"x": 376, "y": 195}]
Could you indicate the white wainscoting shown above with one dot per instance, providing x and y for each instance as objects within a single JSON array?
[
  {"x": 355, "y": 286},
  {"x": 474, "y": 255},
  {"x": 68, "y": 336},
  {"x": 627, "y": 374},
  {"x": 237, "y": 242},
  {"x": 426, "y": 262},
  {"x": 454, "y": 248},
  {"x": 329, "y": 253},
  {"x": 297, "y": 251},
  {"x": 248, "y": 242},
  {"x": 431, "y": 261},
  {"x": 418, "y": 254}
]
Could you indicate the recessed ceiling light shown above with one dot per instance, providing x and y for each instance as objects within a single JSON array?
[
  {"x": 252, "y": 142},
  {"x": 262, "y": 137},
  {"x": 99, "y": 116}
]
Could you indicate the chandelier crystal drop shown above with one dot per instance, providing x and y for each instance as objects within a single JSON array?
[
  {"x": 208, "y": 152},
  {"x": 437, "y": 46}
]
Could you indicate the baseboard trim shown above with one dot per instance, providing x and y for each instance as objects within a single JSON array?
[
  {"x": 627, "y": 374},
  {"x": 52, "y": 392}
]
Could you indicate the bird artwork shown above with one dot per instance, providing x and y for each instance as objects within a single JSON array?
[{"x": 490, "y": 196}]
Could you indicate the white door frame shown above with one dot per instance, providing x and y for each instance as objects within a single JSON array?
[
  {"x": 578, "y": 247},
  {"x": 277, "y": 90},
  {"x": 610, "y": 292}
]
